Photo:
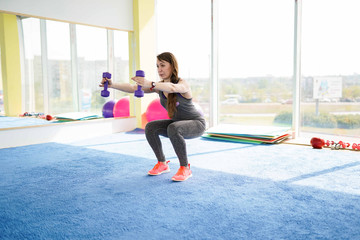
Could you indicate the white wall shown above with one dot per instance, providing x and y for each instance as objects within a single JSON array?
[{"x": 112, "y": 14}]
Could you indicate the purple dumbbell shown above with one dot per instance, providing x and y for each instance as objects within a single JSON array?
[
  {"x": 105, "y": 92},
  {"x": 139, "y": 93}
]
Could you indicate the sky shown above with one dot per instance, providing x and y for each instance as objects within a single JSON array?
[
  {"x": 255, "y": 37},
  {"x": 331, "y": 37}
]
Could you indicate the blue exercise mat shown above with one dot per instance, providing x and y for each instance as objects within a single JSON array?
[{"x": 12, "y": 122}]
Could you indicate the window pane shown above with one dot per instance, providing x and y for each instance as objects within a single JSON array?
[
  {"x": 2, "y": 111},
  {"x": 33, "y": 88},
  {"x": 92, "y": 62},
  {"x": 59, "y": 68},
  {"x": 121, "y": 57},
  {"x": 255, "y": 60},
  {"x": 189, "y": 39},
  {"x": 330, "y": 68}
]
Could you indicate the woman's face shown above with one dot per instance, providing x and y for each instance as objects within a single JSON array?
[{"x": 164, "y": 69}]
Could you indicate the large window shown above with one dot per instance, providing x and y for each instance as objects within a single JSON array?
[
  {"x": 121, "y": 60},
  {"x": 2, "y": 112},
  {"x": 255, "y": 46},
  {"x": 330, "y": 68},
  {"x": 92, "y": 61},
  {"x": 64, "y": 65},
  {"x": 255, "y": 60},
  {"x": 58, "y": 66},
  {"x": 33, "y": 92},
  {"x": 184, "y": 28}
]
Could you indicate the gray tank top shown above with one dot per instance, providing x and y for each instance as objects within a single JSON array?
[{"x": 185, "y": 109}]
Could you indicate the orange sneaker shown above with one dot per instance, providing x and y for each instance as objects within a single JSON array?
[
  {"x": 182, "y": 174},
  {"x": 159, "y": 168}
]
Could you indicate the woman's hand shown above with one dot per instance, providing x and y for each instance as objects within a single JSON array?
[
  {"x": 104, "y": 80},
  {"x": 142, "y": 82}
]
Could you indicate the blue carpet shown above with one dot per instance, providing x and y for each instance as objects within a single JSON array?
[{"x": 58, "y": 191}]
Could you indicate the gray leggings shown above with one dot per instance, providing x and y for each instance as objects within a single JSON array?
[{"x": 177, "y": 131}]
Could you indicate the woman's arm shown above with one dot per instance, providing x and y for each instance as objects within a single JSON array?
[
  {"x": 181, "y": 87},
  {"x": 125, "y": 87}
]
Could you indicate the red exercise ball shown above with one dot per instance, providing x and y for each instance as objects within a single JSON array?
[
  {"x": 317, "y": 143},
  {"x": 155, "y": 111},
  {"x": 122, "y": 107}
]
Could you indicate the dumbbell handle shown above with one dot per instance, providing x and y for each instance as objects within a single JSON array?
[
  {"x": 139, "y": 92},
  {"x": 105, "y": 92}
]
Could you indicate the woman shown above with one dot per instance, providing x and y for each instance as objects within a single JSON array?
[{"x": 185, "y": 121}]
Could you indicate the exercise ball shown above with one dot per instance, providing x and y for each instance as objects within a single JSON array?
[
  {"x": 122, "y": 107},
  {"x": 155, "y": 111},
  {"x": 107, "y": 109}
]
